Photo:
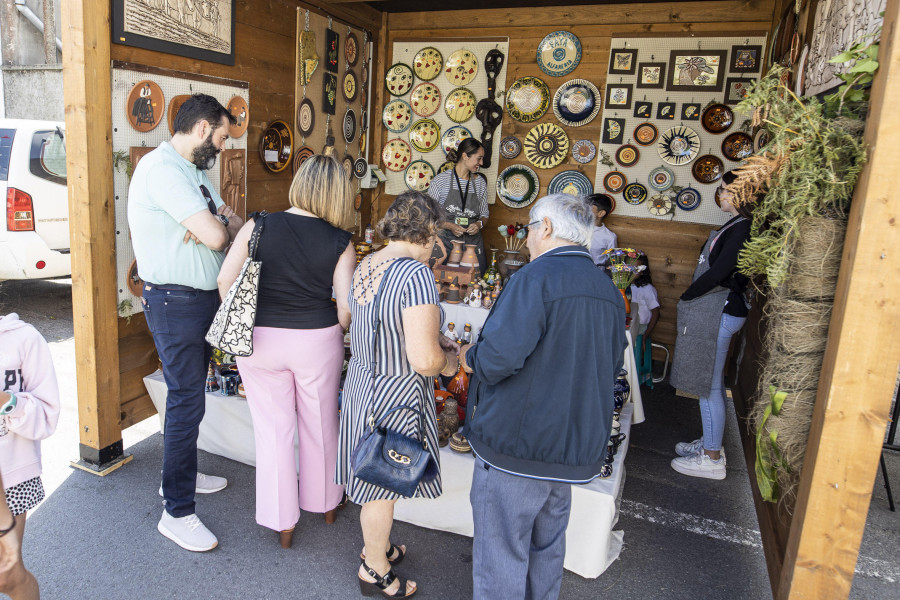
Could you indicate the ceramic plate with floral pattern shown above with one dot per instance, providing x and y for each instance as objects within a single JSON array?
[
  {"x": 527, "y": 99},
  {"x": 461, "y": 67},
  {"x": 399, "y": 79},
  {"x": 397, "y": 116},
  {"x": 679, "y": 145},
  {"x": 419, "y": 174},
  {"x": 425, "y": 99},
  {"x": 460, "y": 105},
  {"x": 546, "y": 145},
  {"x": 396, "y": 155},
  {"x": 737, "y": 146},
  {"x": 424, "y": 135},
  {"x": 717, "y": 118},
  {"x": 428, "y": 63},
  {"x": 708, "y": 169}
]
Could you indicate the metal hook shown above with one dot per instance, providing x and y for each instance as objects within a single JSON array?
[
  {"x": 652, "y": 57},
  {"x": 645, "y": 97},
  {"x": 620, "y": 79},
  {"x": 698, "y": 44}
]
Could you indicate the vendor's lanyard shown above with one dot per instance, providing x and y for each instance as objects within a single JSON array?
[{"x": 466, "y": 193}]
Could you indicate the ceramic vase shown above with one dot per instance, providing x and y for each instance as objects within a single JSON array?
[
  {"x": 469, "y": 257},
  {"x": 513, "y": 261},
  {"x": 456, "y": 253}
]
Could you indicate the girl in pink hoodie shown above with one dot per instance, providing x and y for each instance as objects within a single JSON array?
[{"x": 29, "y": 410}]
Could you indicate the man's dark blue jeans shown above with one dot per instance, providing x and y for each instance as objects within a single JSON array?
[{"x": 179, "y": 319}]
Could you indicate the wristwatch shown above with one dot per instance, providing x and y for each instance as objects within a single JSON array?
[
  {"x": 9, "y": 406},
  {"x": 224, "y": 220}
]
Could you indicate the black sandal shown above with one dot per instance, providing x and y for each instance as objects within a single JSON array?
[
  {"x": 371, "y": 588},
  {"x": 394, "y": 561}
]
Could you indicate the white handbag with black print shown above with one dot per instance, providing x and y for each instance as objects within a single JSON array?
[{"x": 232, "y": 328}]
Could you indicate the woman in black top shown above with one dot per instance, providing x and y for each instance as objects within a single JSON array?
[
  {"x": 292, "y": 377},
  {"x": 710, "y": 312}
]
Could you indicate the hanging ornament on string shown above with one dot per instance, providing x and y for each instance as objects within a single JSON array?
[{"x": 309, "y": 60}]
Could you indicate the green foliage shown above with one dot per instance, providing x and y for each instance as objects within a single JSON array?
[
  {"x": 122, "y": 160},
  {"x": 863, "y": 54}
]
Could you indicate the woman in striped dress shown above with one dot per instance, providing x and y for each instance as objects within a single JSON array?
[{"x": 397, "y": 349}]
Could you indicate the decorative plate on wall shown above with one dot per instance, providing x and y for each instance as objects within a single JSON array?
[
  {"x": 615, "y": 182},
  {"x": 737, "y": 146},
  {"x": 174, "y": 106},
  {"x": 349, "y": 126},
  {"x": 571, "y": 182},
  {"x": 708, "y": 169},
  {"x": 584, "y": 151},
  {"x": 546, "y": 145},
  {"x": 688, "y": 199},
  {"x": 628, "y": 155},
  {"x": 275, "y": 146},
  {"x": 510, "y": 147},
  {"x": 145, "y": 106},
  {"x": 645, "y": 134},
  {"x": 679, "y": 145},
  {"x": 428, "y": 63},
  {"x": 238, "y": 108},
  {"x": 559, "y": 53},
  {"x": 717, "y": 118},
  {"x": 347, "y": 163},
  {"x": 397, "y": 115},
  {"x": 418, "y": 175},
  {"x": 660, "y": 205},
  {"x": 760, "y": 139},
  {"x": 424, "y": 135},
  {"x": 576, "y": 102},
  {"x": 306, "y": 117},
  {"x": 634, "y": 193},
  {"x": 460, "y": 105},
  {"x": 527, "y": 99},
  {"x": 446, "y": 166},
  {"x": 399, "y": 79},
  {"x": 518, "y": 186},
  {"x": 453, "y": 136},
  {"x": 360, "y": 167},
  {"x": 351, "y": 49},
  {"x": 349, "y": 88},
  {"x": 301, "y": 156},
  {"x": 461, "y": 67},
  {"x": 661, "y": 178},
  {"x": 425, "y": 99},
  {"x": 396, "y": 155}
]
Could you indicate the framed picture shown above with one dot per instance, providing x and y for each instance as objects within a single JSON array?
[
  {"x": 690, "y": 111},
  {"x": 332, "y": 42},
  {"x": 651, "y": 75},
  {"x": 736, "y": 88},
  {"x": 622, "y": 61},
  {"x": 643, "y": 109},
  {"x": 618, "y": 95},
  {"x": 207, "y": 35},
  {"x": 665, "y": 110},
  {"x": 329, "y": 93},
  {"x": 745, "y": 59},
  {"x": 613, "y": 131},
  {"x": 696, "y": 71}
]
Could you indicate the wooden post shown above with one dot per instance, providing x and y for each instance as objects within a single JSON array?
[
  {"x": 92, "y": 228},
  {"x": 860, "y": 366}
]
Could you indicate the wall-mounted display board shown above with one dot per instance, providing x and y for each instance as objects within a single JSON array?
[{"x": 670, "y": 128}]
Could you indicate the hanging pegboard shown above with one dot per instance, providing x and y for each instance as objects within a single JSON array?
[
  {"x": 125, "y": 137},
  {"x": 668, "y": 104}
]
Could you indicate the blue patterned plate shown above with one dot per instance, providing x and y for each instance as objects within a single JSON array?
[
  {"x": 688, "y": 199},
  {"x": 576, "y": 102},
  {"x": 571, "y": 182},
  {"x": 559, "y": 53},
  {"x": 518, "y": 186},
  {"x": 453, "y": 136}
]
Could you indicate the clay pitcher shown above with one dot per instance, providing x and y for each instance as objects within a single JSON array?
[
  {"x": 469, "y": 258},
  {"x": 456, "y": 253}
]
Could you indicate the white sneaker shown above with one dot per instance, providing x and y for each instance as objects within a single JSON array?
[
  {"x": 206, "y": 484},
  {"x": 692, "y": 448},
  {"x": 188, "y": 532},
  {"x": 700, "y": 465}
]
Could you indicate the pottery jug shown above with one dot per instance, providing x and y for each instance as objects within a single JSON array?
[
  {"x": 469, "y": 258},
  {"x": 456, "y": 253},
  {"x": 513, "y": 261}
]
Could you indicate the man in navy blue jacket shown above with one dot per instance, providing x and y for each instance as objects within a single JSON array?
[{"x": 540, "y": 402}]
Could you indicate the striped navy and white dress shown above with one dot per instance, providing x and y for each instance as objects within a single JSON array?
[{"x": 392, "y": 382}]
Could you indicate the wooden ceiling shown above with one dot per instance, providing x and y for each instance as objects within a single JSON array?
[{"x": 399, "y": 6}]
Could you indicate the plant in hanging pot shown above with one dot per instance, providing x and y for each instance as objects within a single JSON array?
[{"x": 624, "y": 268}]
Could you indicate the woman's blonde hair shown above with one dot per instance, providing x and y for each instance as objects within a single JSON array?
[
  {"x": 322, "y": 187},
  {"x": 413, "y": 217}
]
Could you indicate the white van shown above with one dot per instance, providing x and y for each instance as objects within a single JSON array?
[{"x": 34, "y": 244}]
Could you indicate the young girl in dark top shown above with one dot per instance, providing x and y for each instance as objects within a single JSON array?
[{"x": 710, "y": 312}]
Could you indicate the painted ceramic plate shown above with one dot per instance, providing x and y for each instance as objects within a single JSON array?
[
  {"x": 275, "y": 146},
  {"x": 424, "y": 135},
  {"x": 238, "y": 108},
  {"x": 628, "y": 155},
  {"x": 453, "y": 136},
  {"x": 717, "y": 118},
  {"x": 347, "y": 163},
  {"x": 360, "y": 168},
  {"x": 688, "y": 199},
  {"x": 510, "y": 147},
  {"x": 428, "y": 63},
  {"x": 615, "y": 182},
  {"x": 397, "y": 116},
  {"x": 174, "y": 106},
  {"x": 708, "y": 169},
  {"x": 351, "y": 49},
  {"x": 460, "y": 104},
  {"x": 461, "y": 67},
  {"x": 661, "y": 178},
  {"x": 546, "y": 145},
  {"x": 634, "y": 193},
  {"x": 145, "y": 106},
  {"x": 645, "y": 134},
  {"x": 306, "y": 117},
  {"x": 357, "y": 201},
  {"x": 518, "y": 186},
  {"x": 419, "y": 174},
  {"x": 396, "y": 155},
  {"x": 660, "y": 205},
  {"x": 399, "y": 79},
  {"x": 737, "y": 146},
  {"x": 349, "y": 126},
  {"x": 559, "y": 53},
  {"x": 446, "y": 166},
  {"x": 576, "y": 102},
  {"x": 760, "y": 139},
  {"x": 349, "y": 88},
  {"x": 571, "y": 182},
  {"x": 679, "y": 145},
  {"x": 301, "y": 156},
  {"x": 584, "y": 151},
  {"x": 425, "y": 99},
  {"x": 527, "y": 99}
]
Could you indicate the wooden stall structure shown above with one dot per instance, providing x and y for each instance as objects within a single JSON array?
[{"x": 813, "y": 555}]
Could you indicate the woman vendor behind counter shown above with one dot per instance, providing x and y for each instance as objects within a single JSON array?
[{"x": 462, "y": 192}]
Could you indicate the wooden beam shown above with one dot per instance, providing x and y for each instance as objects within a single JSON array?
[
  {"x": 359, "y": 14},
  {"x": 860, "y": 367},
  {"x": 92, "y": 228}
]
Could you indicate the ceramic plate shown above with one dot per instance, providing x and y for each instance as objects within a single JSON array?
[
  {"x": 559, "y": 53},
  {"x": 428, "y": 63},
  {"x": 615, "y": 182},
  {"x": 510, "y": 147},
  {"x": 645, "y": 134},
  {"x": 174, "y": 106},
  {"x": 275, "y": 146},
  {"x": 760, "y": 139},
  {"x": 360, "y": 167},
  {"x": 460, "y": 105},
  {"x": 518, "y": 186},
  {"x": 397, "y": 115},
  {"x": 576, "y": 102},
  {"x": 306, "y": 117},
  {"x": 349, "y": 126},
  {"x": 396, "y": 155},
  {"x": 708, "y": 169},
  {"x": 634, "y": 193},
  {"x": 424, "y": 135},
  {"x": 688, "y": 199},
  {"x": 660, "y": 205},
  {"x": 661, "y": 178},
  {"x": 571, "y": 182},
  {"x": 301, "y": 156},
  {"x": 446, "y": 166},
  {"x": 628, "y": 155},
  {"x": 546, "y": 145},
  {"x": 717, "y": 118},
  {"x": 349, "y": 88},
  {"x": 584, "y": 151},
  {"x": 737, "y": 146},
  {"x": 347, "y": 163},
  {"x": 425, "y": 99},
  {"x": 238, "y": 108},
  {"x": 453, "y": 136},
  {"x": 418, "y": 175},
  {"x": 461, "y": 67},
  {"x": 351, "y": 49},
  {"x": 679, "y": 145},
  {"x": 399, "y": 79},
  {"x": 527, "y": 99},
  {"x": 145, "y": 106}
]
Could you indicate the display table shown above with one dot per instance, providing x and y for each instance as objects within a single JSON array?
[{"x": 591, "y": 544}]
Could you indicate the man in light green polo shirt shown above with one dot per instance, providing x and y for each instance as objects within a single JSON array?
[{"x": 180, "y": 228}]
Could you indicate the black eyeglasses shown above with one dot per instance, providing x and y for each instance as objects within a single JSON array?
[
  {"x": 209, "y": 199},
  {"x": 532, "y": 224}
]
